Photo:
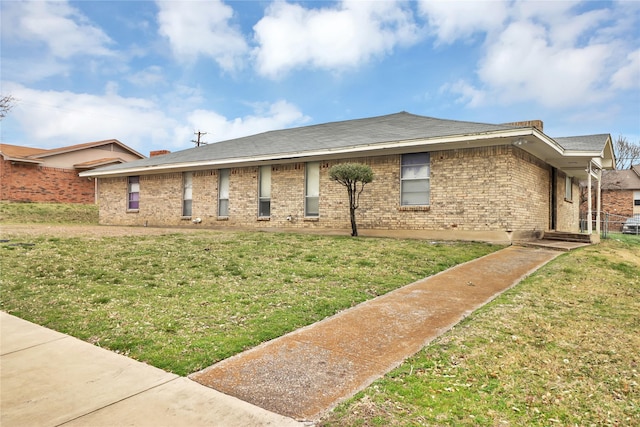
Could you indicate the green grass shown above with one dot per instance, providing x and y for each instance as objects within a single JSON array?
[
  {"x": 48, "y": 213},
  {"x": 182, "y": 302},
  {"x": 561, "y": 348}
]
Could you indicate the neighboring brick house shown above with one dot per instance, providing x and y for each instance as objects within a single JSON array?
[
  {"x": 434, "y": 178},
  {"x": 41, "y": 175},
  {"x": 621, "y": 192}
]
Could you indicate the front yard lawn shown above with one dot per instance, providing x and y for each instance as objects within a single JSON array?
[{"x": 182, "y": 302}]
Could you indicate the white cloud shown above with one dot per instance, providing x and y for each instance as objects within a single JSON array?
[
  {"x": 51, "y": 119},
  {"x": 202, "y": 28},
  {"x": 23, "y": 71},
  {"x": 290, "y": 36},
  {"x": 525, "y": 64},
  {"x": 555, "y": 54},
  {"x": 461, "y": 19},
  {"x": 468, "y": 94},
  {"x": 265, "y": 117},
  {"x": 628, "y": 75},
  {"x": 57, "y": 118},
  {"x": 62, "y": 28},
  {"x": 150, "y": 76}
]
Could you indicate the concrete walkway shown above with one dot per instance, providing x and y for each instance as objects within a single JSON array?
[
  {"x": 50, "y": 379},
  {"x": 309, "y": 371}
]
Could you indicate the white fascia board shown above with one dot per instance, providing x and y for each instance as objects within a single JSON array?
[
  {"x": 359, "y": 149},
  {"x": 22, "y": 160},
  {"x": 549, "y": 141},
  {"x": 597, "y": 162}
]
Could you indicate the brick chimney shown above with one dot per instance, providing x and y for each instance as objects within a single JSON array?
[
  {"x": 528, "y": 123},
  {"x": 158, "y": 153}
]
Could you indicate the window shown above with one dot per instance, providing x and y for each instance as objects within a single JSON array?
[
  {"x": 414, "y": 180},
  {"x": 636, "y": 198},
  {"x": 568, "y": 191},
  {"x": 223, "y": 193},
  {"x": 134, "y": 193},
  {"x": 187, "y": 180},
  {"x": 312, "y": 189},
  {"x": 264, "y": 196}
]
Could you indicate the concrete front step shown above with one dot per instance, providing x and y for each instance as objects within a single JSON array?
[
  {"x": 556, "y": 245},
  {"x": 570, "y": 237}
]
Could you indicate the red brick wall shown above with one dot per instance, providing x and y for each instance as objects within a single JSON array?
[
  {"x": 619, "y": 202},
  {"x": 33, "y": 183}
]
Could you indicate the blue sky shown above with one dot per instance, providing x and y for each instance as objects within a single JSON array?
[{"x": 150, "y": 74}]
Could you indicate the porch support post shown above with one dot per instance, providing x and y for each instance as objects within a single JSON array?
[
  {"x": 598, "y": 202},
  {"x": 589, "y": 211}
]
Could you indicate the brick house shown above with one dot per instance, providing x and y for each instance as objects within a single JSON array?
[
  {"x": 41, "y": 175},
  {"x": 621, "y": 192},
  {"x": 434, "y": 178}
]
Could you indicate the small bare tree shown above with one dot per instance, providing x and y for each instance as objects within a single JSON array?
[
  {"x": 350, "y": 175},
  {"x": 627, "y": 153},
  {"x": 6, "y": 104}
]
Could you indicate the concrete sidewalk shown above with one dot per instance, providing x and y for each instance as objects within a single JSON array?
[
  {"x": 50, "y": 379},
  {"x": 307, "y": 372}
]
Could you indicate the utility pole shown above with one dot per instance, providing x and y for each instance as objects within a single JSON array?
[{"x": 198, "y": 142}]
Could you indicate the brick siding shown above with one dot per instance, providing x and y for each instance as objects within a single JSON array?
[
  {"x": 499, "y": 188},
  {"x": 618, "y": 202},
  {"x": 33, "y": 183},
  {"x": 568, "y": 214}
]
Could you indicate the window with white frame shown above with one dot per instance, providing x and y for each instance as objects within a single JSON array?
[
  {"x": 133, "y": 200},
  {"x": 223, "y": 193},
  {"x": 415, "y": 179},
  {"x": 187, "y": 193},
  {"x": 312, "y": 190},
  {"x": 636, "y": 198},
  {"x": 568, "y": 190},
  {"x": 264, "y": 191}
]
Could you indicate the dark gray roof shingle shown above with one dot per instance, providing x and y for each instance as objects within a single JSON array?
[
  {"x": 350, "y": 133},
  {"x": 401, "y": 126},
  {"x": 584, "y": 142}
]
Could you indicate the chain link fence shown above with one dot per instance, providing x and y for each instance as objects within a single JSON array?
[{"x": 609, "y": 223}]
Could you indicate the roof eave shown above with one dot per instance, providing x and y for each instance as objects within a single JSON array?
[
  {"x": 22, "y": 160},
  {"x": 88, "y": 145},
  {"x": 429, "y": 144}
]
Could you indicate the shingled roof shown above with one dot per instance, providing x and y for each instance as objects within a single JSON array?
[
  {"x": 584, "y": 142},
  {"x": 38, "y": 155},
  {"x": 342, "y": 136},
  {"x": 335, "y": 135},
  {"x": 626, "y": 179}
]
